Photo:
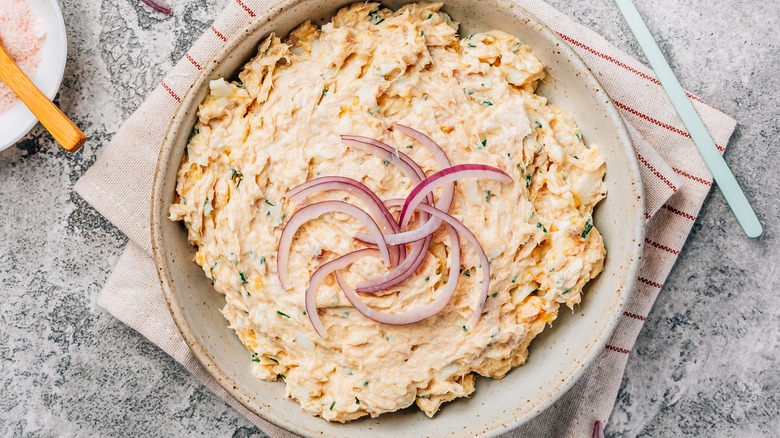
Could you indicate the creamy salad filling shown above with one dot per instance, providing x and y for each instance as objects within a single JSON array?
[{"x": 279, "y": 125}]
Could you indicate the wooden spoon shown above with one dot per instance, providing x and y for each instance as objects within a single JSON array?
[{"x": 67, "y": 134}]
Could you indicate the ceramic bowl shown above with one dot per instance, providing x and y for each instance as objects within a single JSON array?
[
  {"x": 557, "y": 358},
  {"x": 18, "y": 120}
]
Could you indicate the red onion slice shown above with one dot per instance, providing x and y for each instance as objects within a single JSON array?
[
  {"x": 400, "y": 273},
  {"x": 382, "y": 216},
  {"x": 158, "y": 5},
  {"x": 319, "y": 275},
  {"x": 448, "y": 191},
  {"x": 441, "y": 178},
  {"x": 598, "y": 427},
  {"x": 479, "y": 303},
  {"x": 417, "y": 314},
  {"x": 316, "y": 210},
  {"x": 403, "y": 162}
]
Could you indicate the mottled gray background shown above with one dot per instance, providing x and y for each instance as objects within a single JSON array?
[{"x": 705, "y": 364}]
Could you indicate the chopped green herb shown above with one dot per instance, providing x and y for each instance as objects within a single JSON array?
[
  {"x": 304, "y": 312},
  {"x": 279, "y": 312},
  {"x": 588, "y": 227},
  {"x": 579, "y": 136},
  {"x": 388, "y": 338},
  {"x": 576, "y": 157},
  {"x": 514, "y": 280},
  {"x": 469, "y": 37},
  {"x": 528, "y": 180},
  {"x": 243, "y": 277},
  {"x": 365, "y": 383},
  {"x": 487, "y": 103},
  {"x": 426, "y": 278},
  {"x": 484, "y": 143},
  {"x": 345, "y": 314},
  {"x": 487, "y": 196},
  {"x": 331, "y": 406},
  {"x": 184, "y": 201},
  {"x": 467, "y": 273},
  {"x": 387, "y": 163},
  {"x": 424, "y": 396},
  {"x": 270, "y": 203},
  {"x": 472, "y": 45},
  {"x": 357, "y": 401},
  {"x": 566, "y": 291},
  {"x": 273, "y": 360},
  {"x": 239, "y": 84},
  {"x": 410, "y": 147},
  {"x": 429, "y": 16},
  {"x": 255, "y": 357},
  {"x": 495, "y": 294},
  {"x": 422, "y": 33},
  {"x": 538, "y": 125},
  {"x": 374, "y": 17},
  {"x": 248, "y": 294},
  {"x": 464, "y": 327},
  {"x": 262, "y": 260},
  {"x": 539, "y": 225},
  {"x": 236, "y": 176},
  {"x": 281, "y": 375},
  {"x": 533, "y": 292},
  {"x": 324, "y": 92},
  {"x": 516, "y": 46},
  {"x": 468, "y": 91},
  {"x": 207, "y": 207},
  {"x": 508, "y": 155}
]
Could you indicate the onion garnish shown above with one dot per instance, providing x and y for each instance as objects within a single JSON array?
[
  {"x": 381, "y": 215},
  {"x": 316, "y": 210},
  {"x": 158, "y": 5},
  {"x": 389, "y": 234},
  {"x": 598, "y": 429},
  {"x": 420, "y": 313},
  {"x": 444, "y": 177},
  {"x": 319, "y": 275},
  {"x": 479, "y": 302}
]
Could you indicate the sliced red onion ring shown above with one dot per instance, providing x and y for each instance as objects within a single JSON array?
[
  {"x": 403, "y": 162},
  {"x": 400, "y": 273},
  {"x": 158, "y": 5},
  {"x": 414, "y": 172},
  {"x": 479, "y": 303},
  {"x": 417, "y": 314},
  {"x": 426, "y": 187},
  {"x": 598, "y": 427},
  {"x": 407, "y": 267},
  {"x": 427, "y": 228},
  {"x": 319, "y": 275},
  {"x": 382, "y": 216},
  {"x": 316, "y": 210},
  {"x": 443, "y": 177}
]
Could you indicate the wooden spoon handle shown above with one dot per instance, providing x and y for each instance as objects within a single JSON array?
[{"x": 67, "y": 134}]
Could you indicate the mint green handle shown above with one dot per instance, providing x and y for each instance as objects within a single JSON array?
[{"x": 709, "y": 152}]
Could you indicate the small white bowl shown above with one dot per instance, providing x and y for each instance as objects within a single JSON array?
[{"x": 18, "y": 120}]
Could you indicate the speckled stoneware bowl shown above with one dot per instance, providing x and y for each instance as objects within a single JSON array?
[{"x": 558, "y": 357}]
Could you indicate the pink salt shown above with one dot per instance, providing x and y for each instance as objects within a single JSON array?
[{"x": 22, "y": 35}]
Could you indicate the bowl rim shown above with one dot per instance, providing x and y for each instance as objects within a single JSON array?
[{"x": 158, "y": 199}]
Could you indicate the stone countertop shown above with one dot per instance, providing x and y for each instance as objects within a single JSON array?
[{"x": 705, "y": 364}]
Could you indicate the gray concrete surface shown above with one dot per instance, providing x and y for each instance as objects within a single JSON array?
[{"x": 705, "y": 364}]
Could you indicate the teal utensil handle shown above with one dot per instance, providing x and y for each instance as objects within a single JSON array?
[{"x": 728, "y": 185}]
